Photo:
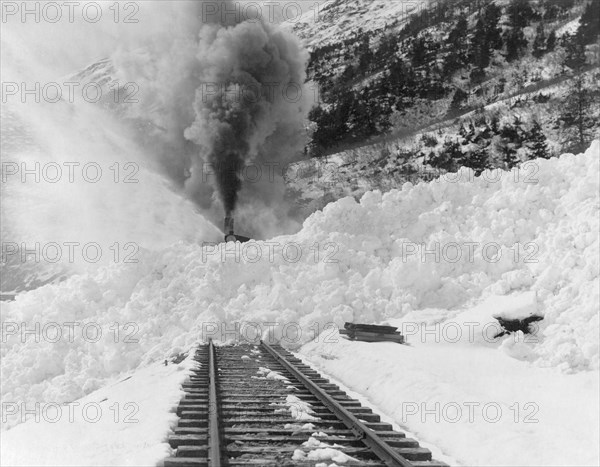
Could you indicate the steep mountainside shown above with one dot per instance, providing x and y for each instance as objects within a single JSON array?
[{"x": 485, "y": 84}]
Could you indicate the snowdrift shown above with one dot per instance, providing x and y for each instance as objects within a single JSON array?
[{"x": 447, "y": 244}]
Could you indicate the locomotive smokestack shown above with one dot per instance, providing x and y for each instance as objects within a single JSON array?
[
  {"x": 228, "y": 230},
  {"x": 228, "y": 226}
]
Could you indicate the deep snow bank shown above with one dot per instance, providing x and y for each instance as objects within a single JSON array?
[{"x": 445, "y": 245}]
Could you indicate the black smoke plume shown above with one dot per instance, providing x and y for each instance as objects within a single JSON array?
[
  {"x": 197, "y": 133},
  {"x": 250, "y": 104}
]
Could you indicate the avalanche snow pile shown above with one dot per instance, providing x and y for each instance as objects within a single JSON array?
[{"x": 448, "y": 244}]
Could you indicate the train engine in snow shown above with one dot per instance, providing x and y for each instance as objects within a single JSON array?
[{"x": 228, "y": 231}]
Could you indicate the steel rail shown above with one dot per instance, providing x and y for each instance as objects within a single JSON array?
[
  {"x": 369, "y": 437},
  {"x": 214, "y": 430}
]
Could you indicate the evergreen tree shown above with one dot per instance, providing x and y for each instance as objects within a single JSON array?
[
  {"x": 348, "y": 74},
  {"x": 418, "y": 52},
  {"x": 458, "y": 100},
  {"x": 324, "y": 133},
  {"x": 332, "y": 124},
  {"x": 486, "y": 37},
  {"x": 471, "y": 132},
  {"x": 550, "y": 11},
  {"x": 551, "y": 42},
  {"x": 452, "y": 63},
  {"x": 478, "y": 160},
  {"x": 515, "y": 43},
  {"x": 365, "y": 55},
  {"x": 520, "y": 13},
  {"x": 401, "y": 79},
  {"x": 536, "y": 142},
  {"x": 457, "y": 43},
  {"x": 450, "y": 157},
  {"x": 577, "y": 118},
  {"x": 387, "y": 47},
  {"x": 484, "y": 135},
  {"x": 495, "y": 124},
  {"x": 575, "y": 58},
  {"x": 519, "y": 132},
  {"x": 539, "y": 43},
  {"x": 492, "y": 15},
  {"x": 457, "y": 39},
  {"x": 553, "y": 9},
  {"x": 508, "y": 143},
  {"x": 429, "y": 140},
  {"x": 589, "y": 24},
  {"x": 480, "y": 47},
  {"x": 477, "y": 75}
]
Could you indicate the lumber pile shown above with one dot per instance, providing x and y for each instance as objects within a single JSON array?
[{"x": 372, "y": 333}]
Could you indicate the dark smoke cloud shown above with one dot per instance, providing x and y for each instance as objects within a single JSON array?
[
  {"x": 250, "y": 105},
  {"x": 182, "y": 72}
]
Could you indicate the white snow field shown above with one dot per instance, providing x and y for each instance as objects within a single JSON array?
[
  {"x": 471, "y": 405},
  {"x": 124, "y": 423},
  {"x": 438, "y": 259}
]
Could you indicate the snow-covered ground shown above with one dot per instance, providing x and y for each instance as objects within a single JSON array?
[
  {"x": 125, "y": 423},
  {"x": 473, "y": 403},
  {"x": 449, "y": 251}
]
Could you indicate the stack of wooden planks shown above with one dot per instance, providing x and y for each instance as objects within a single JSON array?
[{"x": 372, "y": 333}]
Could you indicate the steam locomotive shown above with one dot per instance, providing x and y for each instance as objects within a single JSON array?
[{"x": 228, "y": 230}]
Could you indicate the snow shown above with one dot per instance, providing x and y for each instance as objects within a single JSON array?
[
  {"x": 517, "y": 306},
  {"x": 328, "y": 21},
  {"x": 321, "y": 451},
  {"x": 299, "y": 409},
  {"x": 475, "y": 404},
  {"x": 568, "y": 28},
  {"x": 126, "y": 423},
  {"x": 113, "y": 216},
  {"x": 450, "y": 253},
  {"x": 267, "y": 373}
]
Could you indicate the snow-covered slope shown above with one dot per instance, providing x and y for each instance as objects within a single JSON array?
[
  {"x": 475, "y": 406},
  {"x": 328, "y": 21},
  {"x": 125, "y": 423},
  {"x": 353, "y": 261}
]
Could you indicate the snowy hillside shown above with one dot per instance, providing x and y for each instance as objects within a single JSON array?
[
  {"x": 334, "y": 20},
  {"x": 502, "y": 73}
]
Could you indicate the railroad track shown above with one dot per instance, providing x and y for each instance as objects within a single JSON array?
[{"x": 248, "y": 405}]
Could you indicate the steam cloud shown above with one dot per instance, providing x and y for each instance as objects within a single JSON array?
[
  {"x": 217, "y": 95},
  {"x": 250, "y": 105}
]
